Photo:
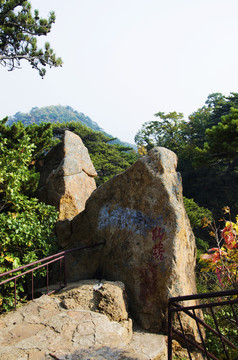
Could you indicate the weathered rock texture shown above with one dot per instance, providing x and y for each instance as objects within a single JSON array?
[
  {"x": 43, "y": 329},
  {"x": 106, "y": 297},
  {"x": 67, "y": 177},
  {"x": 150, "y": 246}
]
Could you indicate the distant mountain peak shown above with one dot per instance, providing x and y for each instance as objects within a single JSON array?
[{"x": 59, "y": 114}]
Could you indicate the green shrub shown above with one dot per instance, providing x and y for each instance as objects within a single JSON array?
[{"x": 26, "y": 225}]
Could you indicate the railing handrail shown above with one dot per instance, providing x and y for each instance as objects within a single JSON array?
[
  {"x": 203, "y": 306},
  {"x": 175, "y": 305},
  {"x": 31, "y": 270},
  {"x": 204, "y": 295},
  {"x": 48, "y": 258},
  {"x": 52, "y": 258}
]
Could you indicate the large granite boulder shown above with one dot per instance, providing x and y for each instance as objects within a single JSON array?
[
  {"x": 67, "y": 177},
  {"x": 149, "y": 246}
]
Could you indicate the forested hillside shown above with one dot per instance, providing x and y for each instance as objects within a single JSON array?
[
  {"x": 53, "y": 114},
  {"x": 110, "y": 156},
  {"x": 59, "y": 114}
]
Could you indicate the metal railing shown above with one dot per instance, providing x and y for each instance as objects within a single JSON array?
[
  {"x": 226, "y": 303},
  {"x": 45, "y": 262}
]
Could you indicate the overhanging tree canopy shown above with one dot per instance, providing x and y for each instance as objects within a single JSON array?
[{"x": 19, "y": 30}]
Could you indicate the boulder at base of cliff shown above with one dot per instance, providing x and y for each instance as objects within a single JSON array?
[
  {"x": 67, "y": 177},
  {"x": 149, "y": 246}
]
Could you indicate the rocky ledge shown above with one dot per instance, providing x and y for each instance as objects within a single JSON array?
[{"x": 63, "y": 327}]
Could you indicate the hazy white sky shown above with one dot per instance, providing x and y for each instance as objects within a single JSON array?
[{"x": 125, "y": 60}]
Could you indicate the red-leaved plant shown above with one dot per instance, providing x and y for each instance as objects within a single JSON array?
[{"x": 223, "y": 259}]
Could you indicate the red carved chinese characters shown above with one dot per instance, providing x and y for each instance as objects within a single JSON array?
[
  {"x": 158, "y": 248},
  {"x": 158, "y": 251},
  {"x": 157, "y": 234}
]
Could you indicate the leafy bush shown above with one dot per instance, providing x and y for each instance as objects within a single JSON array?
[
  {"x": 26, "y": 225},
  {"x": 223, "y": 259},
  {"x": 26, "y": 237},
  {"x": 220, "y": 263}
]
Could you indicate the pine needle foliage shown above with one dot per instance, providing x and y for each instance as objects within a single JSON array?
[{"x": 19, "y": 31}]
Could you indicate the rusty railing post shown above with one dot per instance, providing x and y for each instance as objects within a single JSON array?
[
  {"x": 169, "y": 331},
  {"x": 47, "y": 278},
  {"x": 65, "y": 271},
  {"x": 15, "y": 292},
  {"x": 32, "y": 286}
]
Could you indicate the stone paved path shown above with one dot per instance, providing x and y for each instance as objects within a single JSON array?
[{"x": 42, "y": 329}]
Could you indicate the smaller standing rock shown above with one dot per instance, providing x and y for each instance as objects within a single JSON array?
[{"x": 67, "y": 177}]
